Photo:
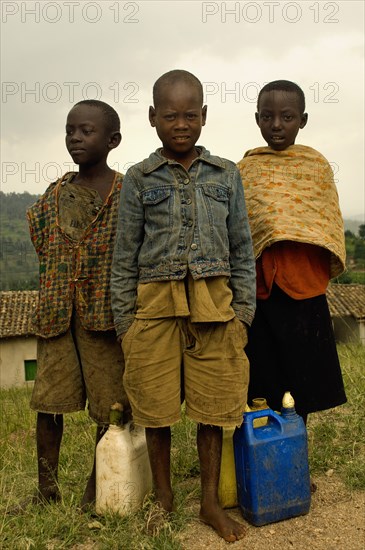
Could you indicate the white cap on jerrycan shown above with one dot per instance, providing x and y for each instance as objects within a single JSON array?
[
  {"x": 288, "y": 406},
  {"x": 288, "y": 401}
]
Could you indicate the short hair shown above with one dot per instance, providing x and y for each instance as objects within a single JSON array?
[
  {"x": 111, "y": 116},
  {"x": 284, "y": 86},
  {"x": 172, "y": 77}
]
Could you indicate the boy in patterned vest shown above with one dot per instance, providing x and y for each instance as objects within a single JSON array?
[{"x": 72, "y": 227}]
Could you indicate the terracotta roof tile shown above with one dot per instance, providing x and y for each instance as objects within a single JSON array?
[
  {"x": 346, "y": 300},
  {"x": 17, "y": 308}
]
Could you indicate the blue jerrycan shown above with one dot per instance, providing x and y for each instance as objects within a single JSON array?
[{"x": 271, "y": 464}]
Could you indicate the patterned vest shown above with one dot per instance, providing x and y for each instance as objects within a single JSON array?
[{"x": 73, "y": 274}]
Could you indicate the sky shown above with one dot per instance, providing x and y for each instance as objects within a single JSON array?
[{"x": 57, "y": 53}]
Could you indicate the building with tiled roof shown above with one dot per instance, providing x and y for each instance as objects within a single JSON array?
[
  {"x": 347, "y": 300},
  {"x": 347, "y": 307},
  {"x": 17, "y": 308},
  {"x": 18, "y": 344}
]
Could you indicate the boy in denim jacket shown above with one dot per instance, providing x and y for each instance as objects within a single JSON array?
[{"x": 183, "y": 292}]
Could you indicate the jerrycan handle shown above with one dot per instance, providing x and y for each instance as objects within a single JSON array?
[{"x": 249, "y": 417}]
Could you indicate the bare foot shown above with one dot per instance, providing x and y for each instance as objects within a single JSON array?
[
  {"x": 164, "y": 500},
  {"x": 46, "y": 498},
  {"x": 313, "y": 487},
  {"x": 226, "y": 527},
  {"x": 157, "y": 519},
  {"x": 37, "y": 499}
]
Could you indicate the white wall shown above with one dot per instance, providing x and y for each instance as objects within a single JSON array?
[
  {"x": 347, "y": 329},
  {"x": 13, "y": 353},
  {"x": 362, "y": 332}
]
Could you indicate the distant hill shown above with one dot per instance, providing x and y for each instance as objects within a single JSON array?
[{"x": 18, "y": 260}]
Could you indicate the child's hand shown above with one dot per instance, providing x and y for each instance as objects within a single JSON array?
[
  {"x": 120, "y": 337},
  {"x": 245, "y": 332},
  {"x": 245, "y": 326}
]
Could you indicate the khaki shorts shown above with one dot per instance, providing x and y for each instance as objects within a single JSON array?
[
  {"x": 203, "y": 362},
  {"x": 79, "y": 366}
]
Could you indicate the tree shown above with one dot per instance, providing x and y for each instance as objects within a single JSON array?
[
  {"x": 359, "y": 251},
  {"x": 362, "y": 230}
]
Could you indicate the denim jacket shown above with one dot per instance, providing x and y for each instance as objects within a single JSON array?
[{"x": 172, "y": 220}]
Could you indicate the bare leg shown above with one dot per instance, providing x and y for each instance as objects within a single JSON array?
[
  {"x": 89, "y": 495},
  {"x": 159, "y": 447},
  {"x": 49, "y": 436},
  {"x": 209, "y": 440}
]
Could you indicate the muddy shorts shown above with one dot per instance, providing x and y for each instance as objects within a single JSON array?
[
  {"x": 77, "y": 367},
  {"x": 170, "y": 359}
]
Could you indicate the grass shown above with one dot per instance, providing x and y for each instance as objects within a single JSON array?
[
  {"x": 61, "y": 526},
  {"x": 337, "y": 436},
  {"x": 336, "y": 443}
]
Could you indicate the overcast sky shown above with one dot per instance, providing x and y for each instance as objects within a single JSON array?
[{"x": 57, "y": 53}]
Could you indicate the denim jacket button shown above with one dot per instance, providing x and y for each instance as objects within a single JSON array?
[
  {"x": 193, "y": 246},
  {"x": 188, "y": 201},
  {"x": 186, "y": 181}
]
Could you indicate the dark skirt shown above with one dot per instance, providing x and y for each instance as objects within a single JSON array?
[{"x": 291, "y": 347}]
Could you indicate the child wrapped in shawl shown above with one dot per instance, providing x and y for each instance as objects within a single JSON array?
[{"x": 298, "y": 239}]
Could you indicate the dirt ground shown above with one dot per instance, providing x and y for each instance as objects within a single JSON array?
[{"x": 336, "y": 521}]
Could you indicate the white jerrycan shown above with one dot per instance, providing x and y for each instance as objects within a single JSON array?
[{"x": 123, "y": 472}]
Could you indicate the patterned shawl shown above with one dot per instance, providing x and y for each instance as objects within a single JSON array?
[{"x": 291, "y": 195}]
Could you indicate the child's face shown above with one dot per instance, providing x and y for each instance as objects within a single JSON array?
[
  {"x": 87, "y": 138},
  {"x": 178, "y": 118},
  {"x": 279, "y": 118}
]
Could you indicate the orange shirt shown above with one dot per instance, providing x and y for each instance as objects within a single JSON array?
[{"x": 301, "y": 270}]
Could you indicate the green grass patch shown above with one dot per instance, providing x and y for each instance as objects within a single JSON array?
[{"x": 337, "y": 437}]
